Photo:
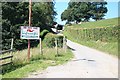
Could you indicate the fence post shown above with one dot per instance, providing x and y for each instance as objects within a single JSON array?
[
  {"x": 12, "y": 43},
  {"x": 64, "y": 44},
  {"x": 94, "y": 34},
  {"x": 101, "y": 34},
  {"x": 56, "y": 46},
  {"x": 41, "y": 46}
]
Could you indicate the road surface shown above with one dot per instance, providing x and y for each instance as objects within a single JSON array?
[{"x": 87, "y": 63}]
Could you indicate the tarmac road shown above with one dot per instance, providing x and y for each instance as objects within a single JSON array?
[{"x": 87, "y": 63}]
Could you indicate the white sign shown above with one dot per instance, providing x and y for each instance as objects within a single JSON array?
[{"x": 30, "y": 32}]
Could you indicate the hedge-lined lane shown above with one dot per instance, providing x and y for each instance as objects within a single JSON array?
[{"x": 103, "y": 38}]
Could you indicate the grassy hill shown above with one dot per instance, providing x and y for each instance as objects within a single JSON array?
[
  {"x": 101, "y": 35},
  {"x": 98, "y": 24}
]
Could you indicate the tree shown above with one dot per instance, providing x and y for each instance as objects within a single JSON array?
[
  {"x": 44, "y": 13},
  {"x": 83, "y": 11},
  {"x": 99, "y": 10},
  {"x": 77, "y": 11},
  {"x": 67, "y": 15},
  {"x": 15, "y": 14}
]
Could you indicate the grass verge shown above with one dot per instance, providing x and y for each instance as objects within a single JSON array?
[
  {"x": 38, "y": 62},
  {"x": 110, "y": 48},
  {"x": 107, "y": 47}
]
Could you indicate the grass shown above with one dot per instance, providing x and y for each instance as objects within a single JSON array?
[
  {"x": 38, "y": 61},
  {"x": 107, "y": 47},
  {"x": 97, "y": 24},
  {"x": 21, "y": 72}
]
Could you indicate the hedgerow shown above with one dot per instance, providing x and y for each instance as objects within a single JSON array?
[{"x": 107, "y": 34}]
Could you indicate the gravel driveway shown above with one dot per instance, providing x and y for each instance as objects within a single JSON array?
[{"x": 87, "y": 63}]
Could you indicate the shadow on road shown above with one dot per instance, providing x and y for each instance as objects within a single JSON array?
[
  {"x": 92, "y": 60},
  {"x": 79, "y": 59},
  {"x": 70, "y": 48},
  {"x": 83, "y": 60}
]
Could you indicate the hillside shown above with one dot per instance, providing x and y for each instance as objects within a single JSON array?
[{"x": 101, "y": 23}]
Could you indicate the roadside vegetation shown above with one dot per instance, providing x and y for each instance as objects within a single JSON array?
[
  {"x": 43, "y": 15},
  {"x": 101, "y": 35},
  {"x": 21, "y": 67}
]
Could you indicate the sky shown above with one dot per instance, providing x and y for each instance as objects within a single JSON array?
[{"x": 61, "y": 6}]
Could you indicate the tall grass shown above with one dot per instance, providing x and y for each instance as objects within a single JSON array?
[{"x": 21, "y": 67}]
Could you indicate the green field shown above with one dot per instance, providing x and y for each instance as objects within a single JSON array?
[
  {"x": 101, "y": 35},
  {"x": 97, "y": 24}
]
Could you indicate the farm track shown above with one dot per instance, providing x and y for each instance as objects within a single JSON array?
[{"x": 87, "y": 63}]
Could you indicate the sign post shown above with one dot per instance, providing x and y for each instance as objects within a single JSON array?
[
  {"x": 30, "y": 10},
  {"x": 29, "y": 33}
]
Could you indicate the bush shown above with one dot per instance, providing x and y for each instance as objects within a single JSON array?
[
  {"x": 49, "y": 40},
  {"x": 43, "y": 33}
]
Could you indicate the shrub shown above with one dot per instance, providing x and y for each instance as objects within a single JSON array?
[
  {"x": 43, "y": 33},
  {"x": 49, "y": 40}
]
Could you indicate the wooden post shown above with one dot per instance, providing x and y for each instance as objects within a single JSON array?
[
  {"x": 12, "y": 43},
  {"x": 64, "y": 44},
  {"x": 28, "y": 49},
  {"x": 30, "y": 11},
  {"x": 40, "y": 46},
  {"x": 56, "y": 45},
  {"x": 12, "y": 40}
]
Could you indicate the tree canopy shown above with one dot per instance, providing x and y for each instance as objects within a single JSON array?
[
  {"x": 15, "y": 14},
  {"x": 83, "y": 11}
]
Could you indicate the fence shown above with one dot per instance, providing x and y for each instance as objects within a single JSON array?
[
  {"x": 55, "y": 42},
  {"x": 5, "y": 56}
]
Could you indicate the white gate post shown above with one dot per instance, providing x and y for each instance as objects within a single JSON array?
[
  {"x": 40, "y": 46},
  {"x": 12, "y": 43},
  {"x": 56, "y": 45}
]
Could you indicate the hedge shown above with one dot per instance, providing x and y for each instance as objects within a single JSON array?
[
  {"x": 108, "y": 34},
  {"x": 49, "y": 40}
]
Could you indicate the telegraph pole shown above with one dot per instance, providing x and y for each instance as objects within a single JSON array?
[{"x": 30, "y": 12}]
